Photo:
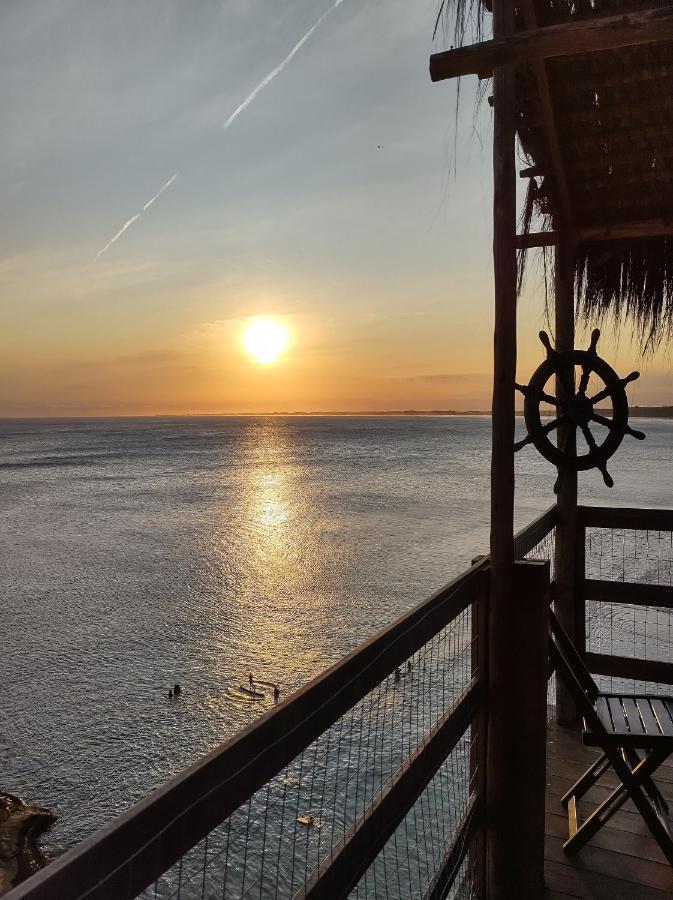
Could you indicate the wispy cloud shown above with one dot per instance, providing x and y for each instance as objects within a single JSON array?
[
  {"x": 279, "y": 68},
  {"x": 232, "y": 118},
  {"x": 135, "y": 218}
]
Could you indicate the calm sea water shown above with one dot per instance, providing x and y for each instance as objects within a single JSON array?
[{"x": 137, "y": 553}]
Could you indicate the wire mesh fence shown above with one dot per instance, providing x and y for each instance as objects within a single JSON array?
[
  {"x": 628, "y": 630},
  {"x": 412, "y": 857},
  {"x": 544, "y": 550},
  {"x": 619, "y": 554},
  {"x": 271, "y": 846}
]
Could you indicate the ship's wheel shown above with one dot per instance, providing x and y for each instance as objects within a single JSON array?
[{"x": 577, "y": 409}]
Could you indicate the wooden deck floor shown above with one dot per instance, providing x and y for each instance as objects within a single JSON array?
[{"x": 622, "y": 861}]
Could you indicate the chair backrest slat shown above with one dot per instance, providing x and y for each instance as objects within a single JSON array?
[
  {"x": 570, "y": 665},
  {"x": 572, "y": 658}
]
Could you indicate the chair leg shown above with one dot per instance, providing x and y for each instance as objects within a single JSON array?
[
  {"x": 659, "y": 830},
  {"x": 634, "y": 781},
  {"x": 590, "y": 777},
  {"x": 653, "y": 792},
  {"x": 599, "y": 817}
]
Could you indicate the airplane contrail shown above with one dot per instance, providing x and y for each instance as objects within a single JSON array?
[
  {"x": 135, "y": 218},
  {"x": 232, "y": 118},
  {"x": 279, "y": 68}
]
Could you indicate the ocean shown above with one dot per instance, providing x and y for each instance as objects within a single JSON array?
[{"x": 137, "y": 553}]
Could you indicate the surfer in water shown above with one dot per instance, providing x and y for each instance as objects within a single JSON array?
[
  {"x": 276, "y": 693},
  {"x": 250, "y": 680}
]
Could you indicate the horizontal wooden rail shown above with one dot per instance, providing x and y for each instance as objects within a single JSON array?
[
  {"x": 342, "y": 869},
  {"x": 628, "y": 592},
  {"x": 120, "y": 860},
  {"x": 617, "y": 232},
  {"x": 530, "y": 536},
  {"x": 566, "y": 39},
  {"x": 629, "y": 519},
  {"x": 627, "y": 667}
]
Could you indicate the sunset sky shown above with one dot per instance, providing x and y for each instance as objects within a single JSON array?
[{"x": 327, "y": 201}]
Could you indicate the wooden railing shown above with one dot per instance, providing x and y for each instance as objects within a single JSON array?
[
  {"x": 122, "y": 859},
  {"x": 620, "y": 591}
]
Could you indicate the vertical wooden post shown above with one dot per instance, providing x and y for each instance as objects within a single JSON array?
[
  {"x": 566, "y": 527},
  {"x": 506, "y": 620},
  {"x": 516, "y": 800}
]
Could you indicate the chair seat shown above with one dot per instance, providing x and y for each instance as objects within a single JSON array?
[{"x": 643, "y": 722}]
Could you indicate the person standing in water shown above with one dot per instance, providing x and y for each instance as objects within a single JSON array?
[
  {"x": 276, "y": 693},
  {"x": 250, "y": 679}
]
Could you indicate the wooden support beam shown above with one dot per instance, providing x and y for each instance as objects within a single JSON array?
[
  {"x": 536, "y": 239},
  {"x": 503, "y": 611},
  {"x": 515, "y": 776},
  {"x": 567, "y": 39},
  {"x": 539, "y": 69},
  {"x": 623, "y": 231}
]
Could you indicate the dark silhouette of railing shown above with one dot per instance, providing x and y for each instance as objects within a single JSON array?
[{"x": 624, "y": 594}]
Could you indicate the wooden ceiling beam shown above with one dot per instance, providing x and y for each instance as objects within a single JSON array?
[
  {"x": 539, "y": 68},
  {"x": 624, "y": 230},
  {"x": 567, "y": 39},
  {"x": 531, "y": 172}
]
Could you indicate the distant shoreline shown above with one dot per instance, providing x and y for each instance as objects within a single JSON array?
[{"x": 636, "y": 412}]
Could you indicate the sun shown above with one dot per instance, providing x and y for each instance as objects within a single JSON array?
[{"x": 266, "y": 339}]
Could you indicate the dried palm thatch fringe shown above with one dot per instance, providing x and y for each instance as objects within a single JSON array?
[
  {"x": 612, "y": 112},
  {"x": 630, "y": 280}
]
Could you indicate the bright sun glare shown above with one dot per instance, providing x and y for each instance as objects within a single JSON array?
[{"x": 266, "y": 340}]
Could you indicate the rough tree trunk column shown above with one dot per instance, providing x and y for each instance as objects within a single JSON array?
[
  {"x": 501, "y": 621},
  {"x": 566, "y": 528}
]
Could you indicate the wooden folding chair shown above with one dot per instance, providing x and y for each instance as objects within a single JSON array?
[{"x": 624, "y": 726}]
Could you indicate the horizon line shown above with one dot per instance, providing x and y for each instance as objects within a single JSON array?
[{"x": 651, "y": 409}]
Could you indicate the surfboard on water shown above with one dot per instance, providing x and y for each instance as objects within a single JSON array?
[{"x": 244, "y": 689}]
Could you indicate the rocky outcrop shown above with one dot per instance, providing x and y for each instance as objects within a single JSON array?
[{"x": 21, "y": 825}]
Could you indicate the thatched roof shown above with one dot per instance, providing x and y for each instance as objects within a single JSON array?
[{"x": 613, "y": 117}]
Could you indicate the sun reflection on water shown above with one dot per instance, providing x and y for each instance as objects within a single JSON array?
[{"x": 278, "y": 597}]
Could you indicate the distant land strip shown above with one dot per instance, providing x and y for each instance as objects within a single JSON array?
[
  {"x": 642, "y": 412},
  {"x": 637, "y": 412}
]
